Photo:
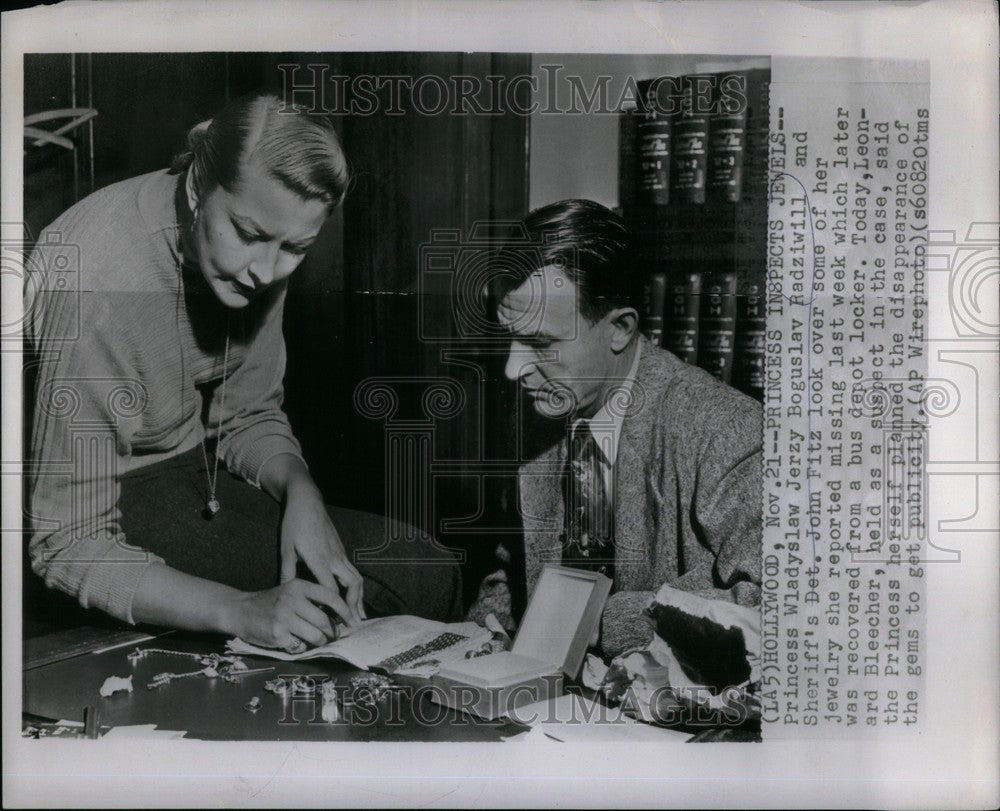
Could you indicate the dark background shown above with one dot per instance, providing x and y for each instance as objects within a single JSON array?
[{"x": 353, "y": 306}]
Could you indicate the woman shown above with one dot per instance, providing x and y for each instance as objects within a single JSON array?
[{"x": 165, "y": 469}]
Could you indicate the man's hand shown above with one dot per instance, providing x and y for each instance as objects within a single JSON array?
[{"x": 308, "y": 534}]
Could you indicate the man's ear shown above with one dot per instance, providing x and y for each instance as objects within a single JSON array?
[
  {"x": 624, "y": 323},
  {"x": 190, "y": 191}
]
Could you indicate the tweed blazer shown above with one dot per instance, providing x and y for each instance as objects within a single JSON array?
[{"x": 687, "y": 495}]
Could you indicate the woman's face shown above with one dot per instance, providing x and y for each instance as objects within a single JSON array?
[{"x": 250, "y": 238}]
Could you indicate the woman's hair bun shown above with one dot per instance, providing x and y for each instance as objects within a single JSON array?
[
  {"x": 196, "y": 135},
  {"x": 298, "y": 149}
]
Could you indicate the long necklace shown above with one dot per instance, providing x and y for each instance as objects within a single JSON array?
[{"x": 212, "y": 506}]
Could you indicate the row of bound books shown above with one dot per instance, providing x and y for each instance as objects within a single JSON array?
[{"x": 693, "y": 186}]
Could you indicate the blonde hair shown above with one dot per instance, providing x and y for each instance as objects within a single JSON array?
[{"x": 300, "y": 150}]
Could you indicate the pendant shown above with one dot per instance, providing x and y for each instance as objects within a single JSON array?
[{"x": 212, "y": 507}]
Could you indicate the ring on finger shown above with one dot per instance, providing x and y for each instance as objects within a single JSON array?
[{"x": 295, "y": 647}]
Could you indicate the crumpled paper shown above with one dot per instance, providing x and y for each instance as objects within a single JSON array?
[
  {"x": 716, "y": 643},
  {"x": 702, "y": 665},
  {"x": 594, "y": 672},
  {"x": 116, "y": 684}
]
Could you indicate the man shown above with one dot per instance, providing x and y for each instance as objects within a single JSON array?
[{"x": 658, "y": 477}]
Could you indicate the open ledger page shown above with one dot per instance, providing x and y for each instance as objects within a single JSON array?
[
  {"x": 878, "y": 353},
  {"x": 389, "y": 643}
]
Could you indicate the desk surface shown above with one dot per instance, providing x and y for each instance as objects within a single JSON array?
[{"x": 213, "y": 709}]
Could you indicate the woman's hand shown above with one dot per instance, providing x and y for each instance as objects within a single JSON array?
[
  {"x": 308, "y": 534},
  {"x": 288, "y": 616},
  {"x": 291, "y": 616}
]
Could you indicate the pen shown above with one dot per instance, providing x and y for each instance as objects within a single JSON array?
[{"x": 91, "y": 722}]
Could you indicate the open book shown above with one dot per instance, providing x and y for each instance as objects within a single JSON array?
[{"x": 393, "y": 644}]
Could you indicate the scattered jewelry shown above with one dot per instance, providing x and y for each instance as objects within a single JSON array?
[
  {"x": 141, "y": 653},
  {"x": 209, "y": 659},
  {"x": 51, "y": 731},
  {"x": 116, "y": 684},
  {"x": 279, "y": 686},
  {"x": 485, "y": 650},
  {"x": 217, "y": 659},
  {"x": 233, "y": 672},
  {"x": 330, "y": 711},
  {"x": 303, "y": 686},
  {"x": 160, "y": 679},
  {"x": 253, "y": 705},
  {"x": 372, "y": 686},
  {"x": 216, "y": 665}
]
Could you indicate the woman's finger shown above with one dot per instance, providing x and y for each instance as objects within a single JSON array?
[
  {"x": 306, "y": 631},
  {"x": 324, "y": 595},
  {"x": 316, "y": 616},
  {"x": 289, "y": 560},
  {"x": 332, "y": 572},
  {"x": 319, "y": 565},
  {"x": 353, "y": 582}
]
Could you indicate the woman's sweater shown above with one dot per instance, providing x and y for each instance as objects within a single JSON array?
[{"x": 130, "y": 344}]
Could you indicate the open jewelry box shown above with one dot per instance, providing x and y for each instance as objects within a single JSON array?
[{"x": 562, "y": 617}]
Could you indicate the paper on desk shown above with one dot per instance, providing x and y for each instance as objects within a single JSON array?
[
  {"x": 571, "y": 718},
  {"x": 373, "y": 643},
  {"x": 613, "y": 733},
  {"x": 533, "y": 735},
  {"x": 144, "y": 731}
]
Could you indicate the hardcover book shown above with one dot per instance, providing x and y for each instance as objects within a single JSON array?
[
  {"x": 652, "y": 149},
  {"x": 718, "y": 325},
  {"x": 727, "y": 138},
  {"x": 689, "y": 153}
]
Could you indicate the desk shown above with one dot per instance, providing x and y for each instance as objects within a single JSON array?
[{"x": 212, "y": 709}]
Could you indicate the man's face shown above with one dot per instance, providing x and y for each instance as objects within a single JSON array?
[{"x": 562, "y": 360}]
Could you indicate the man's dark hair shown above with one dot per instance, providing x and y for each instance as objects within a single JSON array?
[{"x": 588, "y": 242}]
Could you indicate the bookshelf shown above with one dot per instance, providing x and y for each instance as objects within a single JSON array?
[{"x": 689, "y": 174}]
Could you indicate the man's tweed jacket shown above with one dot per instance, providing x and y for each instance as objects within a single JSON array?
[{"x": 687, "y": 499}]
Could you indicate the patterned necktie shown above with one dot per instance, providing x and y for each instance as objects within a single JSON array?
[{"x": 589, "y": 532}]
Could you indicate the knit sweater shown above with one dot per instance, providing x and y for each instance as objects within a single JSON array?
[
  {"x": 130, "y": 343},
  {"x": 688, "y": 509}
]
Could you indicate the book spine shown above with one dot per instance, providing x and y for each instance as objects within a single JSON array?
[
  {"x": 751, "y": 241},
  {"x": 717, "y": 326},
  {"x": 727, "y": 138},
  {"x": 683, "y": 305},
  {"x": 652, "y": 148},
  {"x": 748, "y": 349},
  {"x": 654, "y": 294},
  {"x": 689, "y": 151},
  {"x": 758, "y": 130},
  {"x": 628, "y": 169}
]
